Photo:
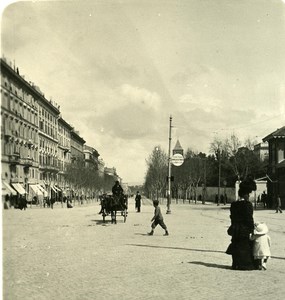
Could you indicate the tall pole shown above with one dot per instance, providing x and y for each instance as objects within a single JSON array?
[
  {"x": 219, "y": 178},
  {"x": 169, "y": 169}
]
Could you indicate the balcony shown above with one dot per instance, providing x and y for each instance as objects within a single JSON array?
[
  {"x": 14, "y": 159},
  {"x": 8, "y": 134},
  {"x": 49, "y": 168},
  {"x": 27, "y": 162}
]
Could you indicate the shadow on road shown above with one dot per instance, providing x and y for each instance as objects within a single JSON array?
[
  {"x": 209, "y": 265},
  {"x": 276, "y": 257},
  {"x": 176, "y": 248},
  {"x": 143, "y": 234},
  {"x": 101, "y": 222}
]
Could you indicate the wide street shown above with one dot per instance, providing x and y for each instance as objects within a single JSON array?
[{"x": 71, "y": 254}]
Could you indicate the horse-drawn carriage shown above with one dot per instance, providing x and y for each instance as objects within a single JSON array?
[{"x": 111, "y": 205}]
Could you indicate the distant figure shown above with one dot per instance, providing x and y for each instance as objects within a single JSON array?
[
  {"x": 157, "y": 219},
  {"x": 222, "y": 198},
  {"x": 117, "y": 190},
  {"x": 68, "y": 203},
  {"x": 52, "y": 201},
  {"x": 217, "y": 199},
  {"x": 138, "y": 201},
  {"x": 264, "y": 199},
  {"x": 261, "y": 245},
  {"x": 6, "y": 202},
  {"x": 278, "y": 204},
  {"x": 22, "y": 203},
  {"x": 225, "y": 199}
]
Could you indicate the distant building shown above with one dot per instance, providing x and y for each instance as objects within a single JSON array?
[
  {"x": 76, "y": 146},
  {"x": 91, "y": 157},
  {"x": 276, "y": 165},
  {"x": 37, "y": 144},
  {"x": 64, "y": 150},
  {"x": 177, "y": 149},
  {"x": 262, "y": 151},
  {"x": 19, "y": 130}
]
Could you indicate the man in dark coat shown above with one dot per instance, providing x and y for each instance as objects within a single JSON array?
[
  {"x": 117, "y": 190},
  {"x": 138, "y": 201}
]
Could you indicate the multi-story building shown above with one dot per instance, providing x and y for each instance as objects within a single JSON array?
[
  {"x": 91, "y": 157},
  {"x": 64, "y": 151},
  {"x": 76, "y": 146},
  {"x": 101, "y": 167},
  {"x": 48, "y": 144},
  {"x": 276, "y": 165},
  {"x": 37, "y": 144},
  {"x": 19, "y": 130}
]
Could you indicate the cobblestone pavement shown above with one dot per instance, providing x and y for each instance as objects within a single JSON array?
[{"x": 71, "y": 254}]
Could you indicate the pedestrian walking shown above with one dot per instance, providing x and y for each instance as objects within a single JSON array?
[
  {"x": 242, "y": 225},
  {"x": 138, "y": 201},
  {"x": 278, "y": 204},
  {"x": 261, "y": 245},
  {"x": 157, "y": 219}
]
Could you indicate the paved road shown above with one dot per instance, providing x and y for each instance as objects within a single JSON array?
[{"x": 70, "y": 254}]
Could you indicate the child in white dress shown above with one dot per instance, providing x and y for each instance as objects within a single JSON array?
[{"x": 261, "y": 245}]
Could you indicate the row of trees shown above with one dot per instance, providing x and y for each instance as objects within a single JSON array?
[
  {"x": 82, "y": 177},
  {"x": 229, "y": 160}
]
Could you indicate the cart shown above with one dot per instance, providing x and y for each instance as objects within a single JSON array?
[{"x": 114, "y": 205}]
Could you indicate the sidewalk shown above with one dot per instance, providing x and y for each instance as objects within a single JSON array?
[{"x": 71, "y": 254}]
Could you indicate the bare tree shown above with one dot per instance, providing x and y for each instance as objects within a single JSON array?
[{"x": 155, "y": 180}]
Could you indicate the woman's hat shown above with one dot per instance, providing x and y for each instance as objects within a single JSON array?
[{"x": 260, "y": 228}]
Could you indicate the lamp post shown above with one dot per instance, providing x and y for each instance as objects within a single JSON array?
[
  {"x": 169, "y": 169},
  {"x": 219, "y": 153}
]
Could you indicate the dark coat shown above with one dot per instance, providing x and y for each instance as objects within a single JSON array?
[
  {"x": 117, "y": 190},
  {"x": 242, "y": 225},
  {"x": 138, "y": 200}
]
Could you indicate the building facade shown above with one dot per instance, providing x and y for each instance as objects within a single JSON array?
[
  {"x": 37, "y": 144},
  {"x": 19, "y": 131},
  {"x": 262, "y": 151},
  {"x": 276, "y": 166}
]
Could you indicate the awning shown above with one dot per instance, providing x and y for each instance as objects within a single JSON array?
[
  {"x": 53, "y": 189},
  {"x": 19, "y": 188},
  {"x": 7, "y": 189},
  {"x": 57, "y": 188},
  {"x": 42, "y": 190},
  {"x": 36, "y": 190}
]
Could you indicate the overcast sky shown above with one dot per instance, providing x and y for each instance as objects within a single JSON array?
[{"x": 118, "y": 69}]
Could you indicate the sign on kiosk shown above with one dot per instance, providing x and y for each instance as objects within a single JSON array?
[{"x": 177, "y": 159}]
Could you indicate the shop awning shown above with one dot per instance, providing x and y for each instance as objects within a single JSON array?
[
  {"x": 43, "y": 190},
  {"x": 57, "y": 188},
  {"x": 52, "y": 187},
  {"x": 7, "y": 189},
  {"x": 35, "y": 189},
  {"x": 19, "y": 188}
]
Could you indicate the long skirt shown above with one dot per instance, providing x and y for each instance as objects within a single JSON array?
[{"x": 241, "y": 251}]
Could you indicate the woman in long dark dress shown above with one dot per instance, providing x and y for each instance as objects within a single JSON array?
[{"x": 242, "y": 225}]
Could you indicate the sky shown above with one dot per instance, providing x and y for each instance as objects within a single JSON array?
[{"x": 119, "y": 69}]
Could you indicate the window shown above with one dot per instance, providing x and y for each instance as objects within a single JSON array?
[{"x": 280, "y": 152}]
